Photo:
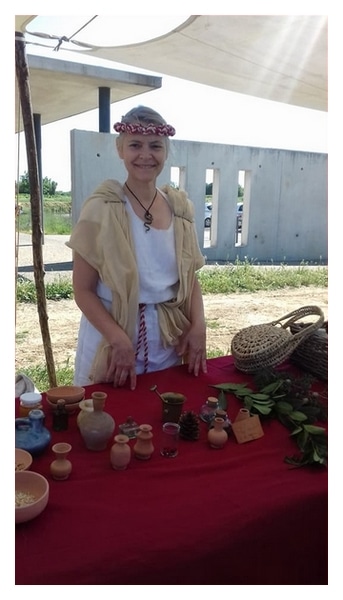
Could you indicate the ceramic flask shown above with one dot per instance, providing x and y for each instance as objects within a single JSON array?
[
  {"x": 30, "y": 433},
  {"x": 120, "y": 454},
  {"x": 97, "y": 427},
  {"x": 217, "y": 436},
  {"x": 61, "y": 467},
  {"x": 143, "y": 447},
  {"x": 85, "y": 406}
]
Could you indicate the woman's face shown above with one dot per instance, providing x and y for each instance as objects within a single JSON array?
[{"x": 143, "y": 155}]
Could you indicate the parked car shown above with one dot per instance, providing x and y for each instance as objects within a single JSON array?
[
  {"x": 239, "y": 215},
  {"x": 208, "y": 214}
]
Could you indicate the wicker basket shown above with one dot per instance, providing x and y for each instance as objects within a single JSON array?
[
  {"x": 311, "y": 355},
  {"x": 267, "y": 345}
]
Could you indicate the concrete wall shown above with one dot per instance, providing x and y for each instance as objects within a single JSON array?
[{"x": 285, "y": 195}]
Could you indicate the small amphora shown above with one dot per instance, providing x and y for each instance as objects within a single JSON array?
[{"x": 61, "y": 467}]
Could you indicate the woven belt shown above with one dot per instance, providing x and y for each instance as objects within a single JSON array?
[{"x": 142, "y": 337}]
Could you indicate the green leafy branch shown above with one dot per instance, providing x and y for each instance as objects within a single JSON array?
[{"x": 290, "y": 400}]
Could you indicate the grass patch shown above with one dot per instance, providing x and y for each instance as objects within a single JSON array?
[
  {"x": 240, "y": 277},
  {"x": 244, "y": 276},
  {"x": 212, "y": 324},
  {"x": 61, "y": 289},
  {"x": 39, "y": 375}
]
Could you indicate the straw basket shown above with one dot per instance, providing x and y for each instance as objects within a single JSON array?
[
  {"x": 311, "y": 355},
  {"x": 269, "y": 344}
]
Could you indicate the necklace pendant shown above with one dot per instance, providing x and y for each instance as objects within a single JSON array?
[{"x": 148, "y": 217}]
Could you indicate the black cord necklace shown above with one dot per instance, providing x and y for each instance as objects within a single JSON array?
[{"x": 147, "y": 214}]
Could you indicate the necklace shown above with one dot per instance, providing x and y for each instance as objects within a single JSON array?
[{"x": 147, "y": 214}]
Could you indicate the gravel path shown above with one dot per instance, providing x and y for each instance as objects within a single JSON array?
[{"x": 57, "y": 257}]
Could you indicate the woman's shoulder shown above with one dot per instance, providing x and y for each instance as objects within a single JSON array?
[
  {"x": 107, "y": 189},
  {"x": 181, "y": 204}
]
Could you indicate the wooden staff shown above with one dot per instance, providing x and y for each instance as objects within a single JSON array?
[{"x": 22, "y": 73}]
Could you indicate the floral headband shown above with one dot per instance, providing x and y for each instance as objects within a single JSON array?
[{"x": 144, "y": 129}]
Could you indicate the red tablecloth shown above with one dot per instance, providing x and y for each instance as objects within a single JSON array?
[{"x": 239, "y": 515}]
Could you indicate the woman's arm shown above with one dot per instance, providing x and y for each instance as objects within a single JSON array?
[
  {"x": 193, "y": 344},
  {"x": 122, "y": 364}
]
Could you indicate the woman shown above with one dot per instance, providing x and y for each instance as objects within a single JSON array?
[{"x": 135, "y": 257}]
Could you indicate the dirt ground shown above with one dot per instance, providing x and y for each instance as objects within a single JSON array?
[{"x": 225, "y": 316}]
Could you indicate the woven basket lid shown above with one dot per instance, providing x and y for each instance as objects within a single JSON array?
[
  {"x": 260, "y": 339},
  {"x": 269, "y": 344}
]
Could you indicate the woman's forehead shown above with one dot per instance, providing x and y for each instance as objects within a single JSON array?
[{"x": 143, "y": 139}]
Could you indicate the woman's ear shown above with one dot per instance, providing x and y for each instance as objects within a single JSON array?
[{"x": 119, "y": 147}]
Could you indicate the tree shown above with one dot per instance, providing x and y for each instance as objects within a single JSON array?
[
  {"x": 209, "y": 187},
  {"x": 49, "y": 186}
]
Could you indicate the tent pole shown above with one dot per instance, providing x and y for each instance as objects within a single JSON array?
[{"x": 22, "y": 73}]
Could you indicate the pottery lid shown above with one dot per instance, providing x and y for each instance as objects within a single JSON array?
[{"x": 30, "y": 398}]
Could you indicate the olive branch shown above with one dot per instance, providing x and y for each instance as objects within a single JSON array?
[{"x": 290, "y": 400}]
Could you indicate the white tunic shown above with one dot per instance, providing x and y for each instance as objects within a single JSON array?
[{"x": 158, "y": 281}]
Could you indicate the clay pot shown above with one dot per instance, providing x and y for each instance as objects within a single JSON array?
[
  {"x": 120, "y": 454},
  {"x": 143, "y": 447},
  {"x": 172, "y": 404},
  {"x": 61, "y": 467},
  {"x": 97, "y": 427},
  {"x": 217, "y": 436}
]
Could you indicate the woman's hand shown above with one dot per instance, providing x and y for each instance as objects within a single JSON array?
[
  {"x": 193, "y": 346},
  {"x": 122, "y": 362}
]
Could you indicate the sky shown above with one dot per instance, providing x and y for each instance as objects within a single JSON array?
[{"x": 198, "y": 113}]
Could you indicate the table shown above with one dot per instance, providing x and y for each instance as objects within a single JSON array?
[{"x": 239, "y": 515}]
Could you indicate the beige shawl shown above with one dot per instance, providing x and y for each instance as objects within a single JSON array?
[{"x": 102, "y": 236}]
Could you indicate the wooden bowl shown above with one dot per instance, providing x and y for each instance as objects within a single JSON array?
[
  {"x": 69, "y": 393},
  {"x": 31, "y": 495},
  {"x": 23, "y": 460}
]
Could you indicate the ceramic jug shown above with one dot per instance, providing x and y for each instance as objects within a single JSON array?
[
  {"x": 120, "y": 454},
  {"x": 30, "y": 433},
  {"x": 85, "y": 406},
  {"x": 143, "y": 447},
  {"x": 61, "y": 467},
  {"x": 97, "y": 427},
  {"x": 217, "y": 436}
]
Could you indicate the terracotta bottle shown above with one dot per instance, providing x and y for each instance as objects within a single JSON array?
[
  {"x": 222, "y": 414},
  {"x": 61, "y": 467},
  {"x": 143, "y": 447},
  {"x": 97, "y": 427},
  {"x": 120, "y": 454},
  {"x": 217, "y": 436}
]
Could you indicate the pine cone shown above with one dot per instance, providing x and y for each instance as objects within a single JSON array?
[{"x": 189, "y": 426}]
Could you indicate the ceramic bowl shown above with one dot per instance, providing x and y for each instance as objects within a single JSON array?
[
  {"x": 23, "y": 460},
  {"x": 32, "y": 493},
  {"x": 71, "y": 407},
  {"x": 69, "y": 393}
]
